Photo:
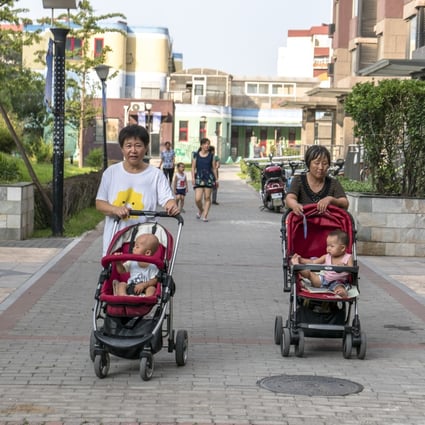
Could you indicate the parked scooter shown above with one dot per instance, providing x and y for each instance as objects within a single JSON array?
[
  {"x": 337, "y": 168},
  {"x": 273, "y": 183},
  {"x": 295, "y": 167}
]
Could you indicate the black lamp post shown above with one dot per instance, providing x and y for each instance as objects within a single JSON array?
[
  {"x": 102, "y": 72},
  {"x": 148, "y": 108},
  {"x": 59, "y": 35}
]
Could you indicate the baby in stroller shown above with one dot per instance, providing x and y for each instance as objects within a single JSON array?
[
  {"x": 336, "y": 246},
  {"x": 143, "y": 275},
  {"x": 328, "y": 306}
]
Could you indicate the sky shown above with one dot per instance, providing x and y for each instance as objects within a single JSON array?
[{"x": 234, "y": 36}]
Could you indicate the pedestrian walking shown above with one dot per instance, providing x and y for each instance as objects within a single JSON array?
[
  {"x": 204, "y": 177},
  {"x": 167, "y": 161}
]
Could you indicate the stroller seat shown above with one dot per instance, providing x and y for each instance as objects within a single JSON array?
[{"x": 120, "y": 250}]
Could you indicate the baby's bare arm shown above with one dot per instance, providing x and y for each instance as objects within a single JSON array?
[{"x": 141, "y": 287}]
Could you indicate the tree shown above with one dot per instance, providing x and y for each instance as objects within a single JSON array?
[
  {"x": 389, "y": 120},
  {"x": 79, "y": 103},
  {"x": 21, "y": 91}
]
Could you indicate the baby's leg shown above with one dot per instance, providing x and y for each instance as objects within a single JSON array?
[
  {"x": 150, "y": 290},
  {"x": 314, "y": 278},
  {"x": 122, "y": 288}
]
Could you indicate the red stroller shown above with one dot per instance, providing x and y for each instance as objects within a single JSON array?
[
  {"x": 132, "y": 327},
  {"x": 318, "y": 314}
]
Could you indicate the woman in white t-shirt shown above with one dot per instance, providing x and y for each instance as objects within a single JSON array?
[{"x": 132, "y": 184}]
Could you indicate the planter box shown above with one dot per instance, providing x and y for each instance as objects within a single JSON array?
[
  {"x": 388, "y": 226},
  {"x": 16, "y": 211}
]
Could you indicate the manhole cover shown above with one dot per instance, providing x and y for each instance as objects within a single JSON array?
[{"x": 310, "y": 385}]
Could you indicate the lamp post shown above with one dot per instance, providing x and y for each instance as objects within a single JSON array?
[
  {"x": 148, "y": 108},
  {"x": 59, "y": 35},
  {"x": 102, "y": 72}
]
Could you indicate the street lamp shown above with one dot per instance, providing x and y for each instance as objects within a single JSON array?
[
  {"x": 148, "y": 108},
  {"x": 102, "y": 72},
  {"x": 59, "y": 35}
]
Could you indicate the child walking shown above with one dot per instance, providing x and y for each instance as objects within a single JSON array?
[{"x": 180, "y": 186}]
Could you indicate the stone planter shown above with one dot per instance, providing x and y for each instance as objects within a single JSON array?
[
  {"x": 388, "y": 226},
  {"x": 16, "y": 211}
]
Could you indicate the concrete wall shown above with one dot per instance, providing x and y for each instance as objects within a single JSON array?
[
  {"x": 16, "y": 211},
  {"x": 389, "y": 226}
]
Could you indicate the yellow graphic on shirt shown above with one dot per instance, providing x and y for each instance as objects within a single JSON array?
[{"x": 130, "y": 199}]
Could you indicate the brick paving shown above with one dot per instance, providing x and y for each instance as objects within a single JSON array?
[{"x": 229, "y": 290}]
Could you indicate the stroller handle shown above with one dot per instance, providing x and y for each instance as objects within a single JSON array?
[{"x": 152, "y": 214}]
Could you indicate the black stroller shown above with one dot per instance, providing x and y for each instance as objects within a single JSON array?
[
  {"x": 134, "y": 327},
  {"x": 318, "y": 314}
]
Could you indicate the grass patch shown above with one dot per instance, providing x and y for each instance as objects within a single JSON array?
[
  {"x": 44, "y": 171},
  {"x": 78, "y": 224}
]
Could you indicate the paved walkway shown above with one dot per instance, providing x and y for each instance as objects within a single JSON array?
[{"x": 229, "y": 290}]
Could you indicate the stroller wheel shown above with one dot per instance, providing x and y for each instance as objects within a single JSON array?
[
  {"x": 146, "y": 366},
  {"x": 278, "y": 329},
  {"x": 182, "y": 347},
  {"x": 347, "y": 345},
  {"x": 285, "y": 342},
  {"x": 361, "y": 348},
  {"x": 101, "y": 365},
  {"x": 299, "y": 347}
]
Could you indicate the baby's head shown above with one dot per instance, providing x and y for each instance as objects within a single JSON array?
[
  {"x": 146, "y": 244},
  {"x": 337, "y": 242}
]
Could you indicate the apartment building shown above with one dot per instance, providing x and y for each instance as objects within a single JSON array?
[
  {"x": 150, "y": 86},
  {"x": 306, "y": 54},
  {"x": 372, "y": 40}
]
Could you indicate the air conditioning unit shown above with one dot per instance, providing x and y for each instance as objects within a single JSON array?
[{"x": 137, "y": 106}]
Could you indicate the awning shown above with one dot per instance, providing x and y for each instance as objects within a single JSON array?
[
  {"x": 267, "y": 117},
  {"x": 395, "y": 68}
]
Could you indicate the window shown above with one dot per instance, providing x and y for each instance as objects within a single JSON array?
[
  {"x": 199, "y": 85},
  {"x": 263, "y": 89},
  {"x": 183, "y": 133},
  {"x": 251, "y": 88},
  {"x": 98, "y": 47},
  {"x": 270, "y": 89},
  {"x": 289, "y": 90},
  {"x": 198, "y": 90},
  {"x": 73, "y": 47}
]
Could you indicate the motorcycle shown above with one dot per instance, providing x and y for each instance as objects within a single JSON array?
[
  {"x": 273, "y": 183},
  {"x": 337, "y": 168}
]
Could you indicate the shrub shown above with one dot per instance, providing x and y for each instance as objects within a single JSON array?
[
  {"x": 389, "y": 119},
  {"x": 7, "y": 144},
  {"x": 9, "y": 169},
  {"x": 95, "y": 158}
]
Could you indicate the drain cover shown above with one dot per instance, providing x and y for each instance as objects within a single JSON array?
[{"x": 310, "y": 385}]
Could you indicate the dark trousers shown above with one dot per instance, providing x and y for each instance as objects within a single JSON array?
[{"x": 169, "y": 172}]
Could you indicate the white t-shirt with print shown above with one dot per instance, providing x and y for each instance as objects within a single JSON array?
[{"x": 141, "y": 191}]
